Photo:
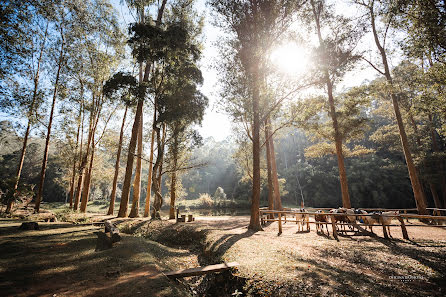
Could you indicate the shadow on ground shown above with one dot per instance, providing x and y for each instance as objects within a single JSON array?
[{"x": 60, "y": 259}]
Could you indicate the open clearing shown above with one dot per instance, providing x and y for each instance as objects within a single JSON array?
[
  {"x": 61, "y": 259},
  {"x": 302, "y": 263}
]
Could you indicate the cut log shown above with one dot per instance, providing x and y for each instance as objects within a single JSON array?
[
  {"x": 201, "y": 270},
  {"x": 190, "y": 218},
  {"x": 113, "y": 230},
  {"x": 29, "y": 226}
]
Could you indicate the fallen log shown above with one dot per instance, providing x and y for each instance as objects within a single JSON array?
[
  {"x": 29, "y": 226},
  {"x": 201, "y": 270}
]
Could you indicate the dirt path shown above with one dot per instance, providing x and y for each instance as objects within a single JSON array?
[{"x": 302, "y": 263}]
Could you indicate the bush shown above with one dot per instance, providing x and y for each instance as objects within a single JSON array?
[
  {"x": 205, "y": 201},
  {"x": 219, "y": 194}
]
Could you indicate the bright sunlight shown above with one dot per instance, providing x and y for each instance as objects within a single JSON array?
[{"x": 290, "y": 59}]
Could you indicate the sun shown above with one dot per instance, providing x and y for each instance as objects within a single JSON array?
[{"x": 290, "y": 59}]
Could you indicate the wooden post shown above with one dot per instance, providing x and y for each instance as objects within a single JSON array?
[
  {"x": 280, "y": 223},
  {"x": 308, "y": 223},
  {"x": 333, "y": 224},
  {"x": 403, "y": 228},
  {"x": 386, "y": 236},
  {"x": 407, "y": 219},
  {"x": 285, "y": 218}
]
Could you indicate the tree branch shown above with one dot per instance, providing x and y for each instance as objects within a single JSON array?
[{"x": 371, "y": 64}]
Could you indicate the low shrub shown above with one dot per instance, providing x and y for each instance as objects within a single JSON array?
[{"x": 205, "y": 201}]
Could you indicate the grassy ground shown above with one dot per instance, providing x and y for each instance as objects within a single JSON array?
[
  {"x": 60, "y": 260},
  {"x": 97, "y": 207}
]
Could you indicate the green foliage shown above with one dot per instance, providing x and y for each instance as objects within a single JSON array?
[
  {"x": 425, "y": 25},
  {"x": 122, "y": 86},
  {"x": 152, "y": 43},
  {"x": 351, "y": 113}
]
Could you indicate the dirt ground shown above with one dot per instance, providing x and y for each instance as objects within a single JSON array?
[
  {"x": 306, "y": 263},
  {"x": 60, "y": 259}
]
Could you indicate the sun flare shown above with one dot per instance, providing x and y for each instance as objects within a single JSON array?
[{"x": 290, "y": 59}]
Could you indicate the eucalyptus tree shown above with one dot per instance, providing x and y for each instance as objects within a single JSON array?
[
  {"x": 335, "y": 56},
  {"x": 424, "y": 23},
  {"x": 145, "y": 55},
  {"x": 422, "y": 123},
  {"x": 181, "y": 141},
  {"x": 19, "y": 29},
  {"x": 352, "y": 119},
  {"x": 24, "y": 38},
  {"x": 254, "y": 27},
  {"x": 182, "y": 90},
  {"x": 60, "y": 27},
  {"x": 175, "y": 83},
  {"x": 90, "y": 43},
  {"x": 382, "y": 14},
  {"x": 124, "y": 87}
]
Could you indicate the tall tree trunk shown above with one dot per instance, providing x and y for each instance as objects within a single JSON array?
[
  {"x": 437, "y": 201},
  {"x": 416, "y": 185},
  {"x": 173, "y": 179},
  {"x": 48, "y": 135},
  {"x": 118, "y": 158},
  {"x": 157, "y": 170},
  {"x": 149, "y": 177},
  {"x": 86, "y": 187},
  {"x": 80, "y": 182},
  {"x": 158, "y": 200},
  {"x": 130, "y": 156},
  {"x": 337, "y": 135},
  {"x": 418, "y": 140},
  {"x": 160, "y": 169},
  {"x": 76, "y": 200},
  {"x": 129, "y": 168},
  {"x": 268, "y": 167},
  {"x": 73, "y": 175},
  {"x": 173, "y": 184},
  {"x": 254, "y": 223},
  {"x": 28, "y": 126},
  {"x": 134, "y": 212},
  {"x": 173, "y": 176},
  {"x": 274, "y": 176},
  {"x": 441, "y": 164},
  {"x": 82, "y": 168}
]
